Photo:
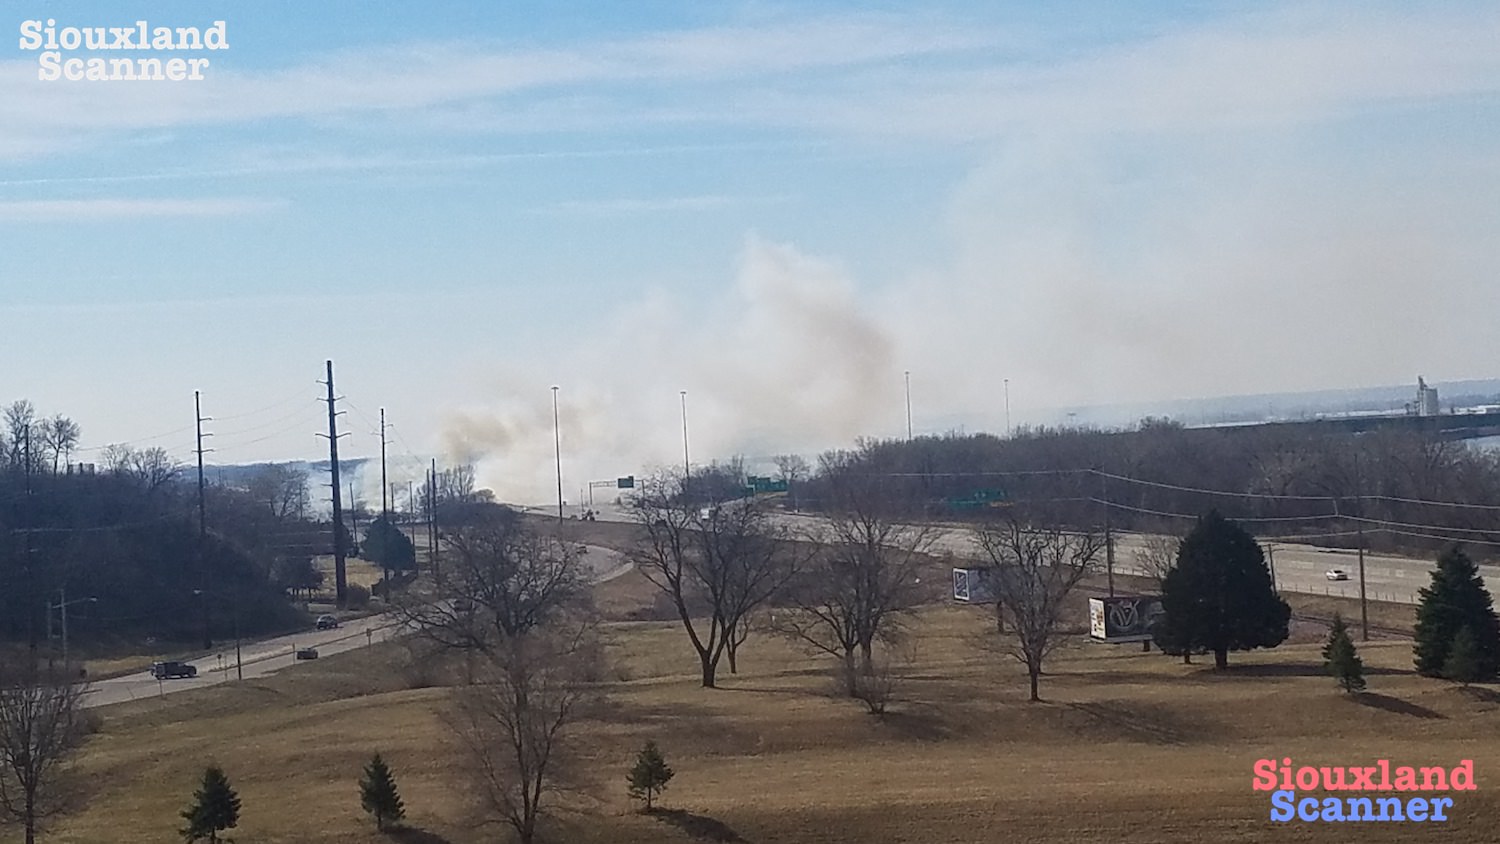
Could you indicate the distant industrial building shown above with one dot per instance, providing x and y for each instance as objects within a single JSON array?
[{"x": 1427, "y": 400}]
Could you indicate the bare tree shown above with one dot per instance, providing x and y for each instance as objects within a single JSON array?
[
  {"x": 515, "y": 606},
  {"x": 717, "y": 561},
  {"x": 792, "y": 469},
  {"x": 876, "y": 686},
  {"x": 857, "y": 589},
  {"x": 282, "y": 488},
  {"x": 504, "y": 576},
  {"x": 1037, "y": 568},
  {"x": 513, "y": 719},
  {"x": 40, "y": 723},
  {"x": 1157, "y": 556},
  {"x": 20, "y": 419},
  {"x": 60, "y": 436},
  {"x": 151, "y": 467}
]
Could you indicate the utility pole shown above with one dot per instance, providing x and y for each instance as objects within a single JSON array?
[
  {"x": 353, "y": 512},
  {"x": 432, "y": 550},
  {"x": 340, "y": 577},
  {"x": 384, "y": 502},
  {"x": 26, "y": 548},
  {"x": 208, "y": 640},
  {"x": 1109, "y": 538},
  {"x": 686, "y": 467},
  {"x": 908, "y": 405},
  {"x": 1359, "y": 502},
  {"x": 62, "y": 601},
  {"x": 557, "y": 443},
  {"x": 385, "y": 507}
]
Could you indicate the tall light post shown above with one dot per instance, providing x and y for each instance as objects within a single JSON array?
[
  {"x": 686, "y": 471},
  {"x": 908, "y": 404},
  {"x": 557, "y": 442},
  {"x": 1007, "y": 407}
]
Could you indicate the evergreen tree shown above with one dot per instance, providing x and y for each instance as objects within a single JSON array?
[
  {"x": 650, "y": 775},
  {"x": 1219, "y": 596},
  {"x": 389, "y": 546},
  {"x": 1456, "y": 599},
  {"x": 1463, "y": 662},
  {"x": 1342, "y": 660},
  {"x": 378, "y": 795},
  {"x": 215, "y": 807}
]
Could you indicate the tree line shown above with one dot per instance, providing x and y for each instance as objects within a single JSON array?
[{"x": 1286, "y": 480}]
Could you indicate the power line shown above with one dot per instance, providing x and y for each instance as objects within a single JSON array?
[
  {"x": 1127, "y": 507},
  {"x": 1226, "y": 493},
  {"x": 1456, "y": 504},
  {"x": 288, "y": 400},
  {"x": 299, "y": 413}
]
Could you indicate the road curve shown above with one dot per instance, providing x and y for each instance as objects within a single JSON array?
[{"x": 267, "y": 656}]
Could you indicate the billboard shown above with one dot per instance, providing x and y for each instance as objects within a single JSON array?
[
  {"x": 974, "y": 586},
  {"x": 1123, "y": 618}
]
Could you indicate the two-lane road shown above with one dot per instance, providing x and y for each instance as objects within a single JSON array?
[
  {"x": 268, "y": 656},
  {"x": 256, "y": 659}
]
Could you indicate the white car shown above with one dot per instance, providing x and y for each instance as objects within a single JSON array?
[{"x": 1336, "y": 574}]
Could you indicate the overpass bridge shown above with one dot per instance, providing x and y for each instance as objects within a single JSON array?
[{"x": 1446, "y": 426}]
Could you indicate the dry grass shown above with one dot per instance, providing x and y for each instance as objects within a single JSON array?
[
  {"x": 1128, "y": 747},
  {"x": 356, "y": 570}
]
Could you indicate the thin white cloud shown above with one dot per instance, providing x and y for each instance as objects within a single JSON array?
[
  {"x": 631, "y": 205},
  {"x": 69, "y": 210},
  {"x": 862, "y": 75},
  {"x": 290, "y": 161},
  {"x": 431, "y": 74}
]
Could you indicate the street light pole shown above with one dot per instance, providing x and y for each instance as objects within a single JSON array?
[
  {"x": 62, "y": 596},
  {"x": 239, "y": 663},
  {"x": 908, "y": 404},
  {"x": 686, "y": 470},
  {"x": 1007, "y": 407},
  {"x": 62, "y": 605},
  {"x": 557, "y": 442}
]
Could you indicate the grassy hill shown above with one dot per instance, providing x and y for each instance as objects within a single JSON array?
[{"x": 1127, "y": 747}]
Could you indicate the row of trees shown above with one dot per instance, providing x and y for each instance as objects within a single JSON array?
[
  {"x": 1305, "y": 479},
  {"x": 846, "y": 584},
  {"x": 216, "y": 805}
]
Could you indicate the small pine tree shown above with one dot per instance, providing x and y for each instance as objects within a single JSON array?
[
  {"x": 1342, "y": 660},
  {"x": 378, "y": 795},
  {"x": 650, "y": 775},
  {"x": 1463, "y": 664},
  {"x": 215, "y": 807}
]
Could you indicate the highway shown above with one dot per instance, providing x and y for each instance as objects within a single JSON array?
[
  {"x": 1298, "y": 568},
  {"x": 268, "y": 656}
]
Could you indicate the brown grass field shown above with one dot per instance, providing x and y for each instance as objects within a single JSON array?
[{"x": 1127, "y": 747}]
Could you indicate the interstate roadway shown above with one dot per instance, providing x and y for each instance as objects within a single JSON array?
[{"x": 1299, "y": 568}]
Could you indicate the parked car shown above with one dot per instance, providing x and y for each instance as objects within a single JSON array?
[
  {"x": 327, "y": 622},
  {"x": 307, "y": 653},
  {"x": 1336, "y": 574},
  {"x": 170, "y": 669}
]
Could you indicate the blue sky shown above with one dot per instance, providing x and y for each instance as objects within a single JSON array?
[{"x": 777, "y": 207}]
